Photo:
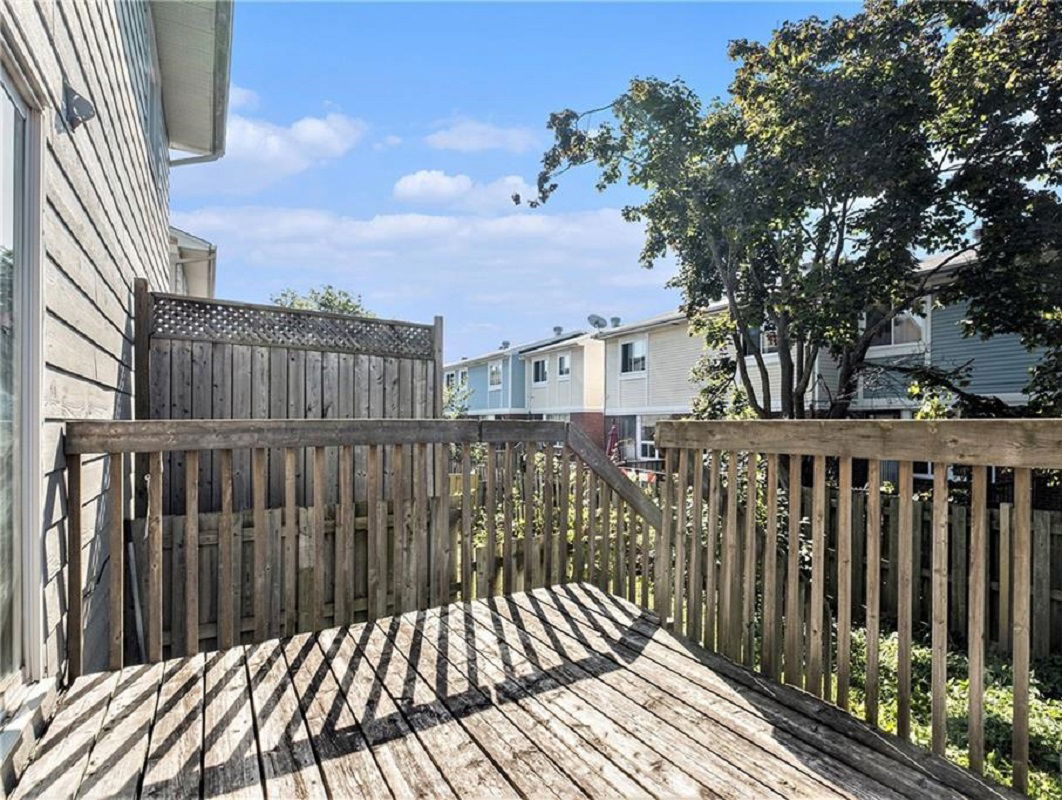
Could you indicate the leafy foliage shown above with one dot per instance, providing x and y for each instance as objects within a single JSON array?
[
  {"x": 849, "y": 148},
  {"x": 326, "y": 298}
]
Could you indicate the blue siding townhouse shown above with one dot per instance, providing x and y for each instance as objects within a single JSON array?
[{"x": 497, "y": 379}]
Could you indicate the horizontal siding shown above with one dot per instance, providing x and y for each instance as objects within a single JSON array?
[
  {"x": 1000, "y": 364},
  {"x": 672, "y": 354},
  {"x": 104, "y": 221}
]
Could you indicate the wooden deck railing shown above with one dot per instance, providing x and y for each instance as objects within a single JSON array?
[
  {"x": 736, "y": 538},
  {"x": 386, "y": 516}
]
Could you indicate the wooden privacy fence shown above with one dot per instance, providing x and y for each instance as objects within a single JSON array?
[
  {"x": 237, "y": 576},
  {"x": 201, "y": 358},
  {"x": 719, "y": 579}
]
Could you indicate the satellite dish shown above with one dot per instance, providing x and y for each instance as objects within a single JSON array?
[{"x": 598, "y": 322}]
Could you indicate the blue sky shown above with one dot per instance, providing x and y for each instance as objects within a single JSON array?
[{"x": 375, "y": 146}]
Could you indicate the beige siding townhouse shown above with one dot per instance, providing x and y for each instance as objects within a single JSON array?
[
  {"x": 565, "y": 381},
  {"x": 95, "y": 97},
  {"x": 647, "y": 379}
]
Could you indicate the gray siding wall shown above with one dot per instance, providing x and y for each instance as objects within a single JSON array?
[
  {"x": 104, "y": 197},
  {"x": 1000, "y": 364}
]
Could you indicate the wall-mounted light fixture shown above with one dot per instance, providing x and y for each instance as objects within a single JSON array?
[{"x": 78, "y": 109}]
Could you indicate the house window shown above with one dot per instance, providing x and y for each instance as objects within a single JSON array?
[
  {"x": 907, "y": 327},
  {"x": 647, "y": 438},
  {"x": 14, "y": 215},
  {"x": 564, "y": 366},
  {"x": 450, "y": 379},
  {"x": 494, "y": 374},
  {"x": 462, "y": 377},
  {"x": 539, "y": 374},
  {"x": 767, "y": 339},
  {"x": 632, "y": 356}
]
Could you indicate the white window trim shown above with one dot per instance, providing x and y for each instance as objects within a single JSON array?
[
  {"x": 905, "y": 348},
  {"x": 495, "y": 387},
  {"x": 568, "y": 376},
  {"x": 462, "y": 377},
  {"x": 545, "y": 362},
  {"x": 31, "y": 519},
  {"x": 634, "y": 374}
]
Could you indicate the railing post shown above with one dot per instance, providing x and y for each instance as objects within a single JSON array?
[
  {"x": 116, "y": 559},
  {"x": 73, "y": 566}
]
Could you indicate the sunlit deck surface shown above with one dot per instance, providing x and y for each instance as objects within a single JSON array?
[{"x": 564, "y": 692}]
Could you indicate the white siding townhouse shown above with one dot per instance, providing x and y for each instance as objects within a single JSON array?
[{"x": 565, "y": 381}]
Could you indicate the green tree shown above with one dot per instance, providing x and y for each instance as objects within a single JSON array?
[
  {"x": 844, "y": 153},
  {"x": 326, "y": 298}
]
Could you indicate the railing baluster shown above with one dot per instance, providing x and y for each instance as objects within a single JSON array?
[
  {"x": 592, "y": 486},
  {"x": 261, "y": 543},
  {"x": 507, "y": 521},
  {"x": 343, "y": 542},
  {"x": 818, "y": 578},
  {"x": 191, "y": 553},
  {"x": 605, "y": 530},
  {"x": 529, "y": 516},
  {"x": 694, "y": 620},
  {"x": 905, "y": 556},
  {"x": 400, "y": 482},
  {"x": 976, "y": 621},
  {"x": 579, "y": 556},
  {"x": 679, "y": 582},
  {"x": 844, "y": 579},
  {"x": 646, "y": 529},
  {"x": 466, "y": 522},
  {"x": 376, "y": 555},
  {"x": 490, "y": 512},
  {"x": 770, "y": 573},
  {"x": 154, "y": 549},
  {"x": 748, "y": 597},
  {"x": 873, "y": 586},
  {"x": 730, "y": 642},
  {"x": 548, "y": 476},
  {"x": 662, "y": 549},
  {"x": 565, "y": 509},
  {"x": 1005, "y": 549},
  {"x": 711, "y": 585},
  {"x": 630, "y": 528},
  {"x": 417, "y": 588},
  {"x": 1022, "y": 623},
  {"x": 794, "y": 637},
  {"x": 74, "y": 636},
  {"x": 291, "y": 543},
  {"x": 940, "y": 608},
  {"x": 116, "y": 567},
  {"x": 226, "y": 544},
  {"x": 619, "y": 574}
]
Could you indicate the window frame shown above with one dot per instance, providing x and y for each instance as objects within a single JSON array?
[
  {"x": 921, "y": 320},
  {"x": 567, "y": 358},
  {"x": 462, "y": 377},
  {"x": 450, "y": 380},
  {"x": 632, "y": 342},
  {"x": 544, "y": 380},
  {"x": 491, "y": 385},
  {"x": 29, "y": 98}
]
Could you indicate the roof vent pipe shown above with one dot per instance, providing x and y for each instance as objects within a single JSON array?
[{"x": 615, "y": 322}]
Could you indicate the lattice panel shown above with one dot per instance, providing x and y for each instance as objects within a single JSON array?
[{"x": 184, "y": 318}]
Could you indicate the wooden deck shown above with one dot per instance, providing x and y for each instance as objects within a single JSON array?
[{"x": 563, "y": 692}]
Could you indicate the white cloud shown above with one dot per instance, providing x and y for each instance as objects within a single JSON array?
[
  {"x": 388, "y": 142},
  {"x": 435, "y": 187},
  {"x": 259, "y": 153},
  {"x": 242, "y": 98},
  {"x": 512, "y": 276},
  {"x": 469, "y": 136}
]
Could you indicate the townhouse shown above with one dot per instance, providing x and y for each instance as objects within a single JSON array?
[{"x": 565, "y": 381}]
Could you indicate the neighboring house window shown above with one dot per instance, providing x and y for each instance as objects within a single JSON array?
[
  {"x": 632, "y": 356},
  {"x": 906, "y": 327},
  {"x": 564, "y": 366},
  {"x": 14, "y": 215},
  {"x": 494, "y": 375},
  {"x": 539, "y": 375},
  {"x": 768, "y": 340},
  {"x": 462, "y": 377},
  {"x": 450, "y": 378},
  {"x": 647, "y": 438}
]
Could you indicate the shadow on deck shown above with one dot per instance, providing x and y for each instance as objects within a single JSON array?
[{"x": 562, "y": 692}]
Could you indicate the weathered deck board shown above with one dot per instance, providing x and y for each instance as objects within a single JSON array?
[{"x": 565, "y": 692}]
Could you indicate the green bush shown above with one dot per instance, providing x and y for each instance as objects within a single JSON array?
[{"x": 1045, "y": 709}]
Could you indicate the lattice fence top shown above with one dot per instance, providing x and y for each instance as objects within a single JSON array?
[{"x": 178, "y": 317}]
